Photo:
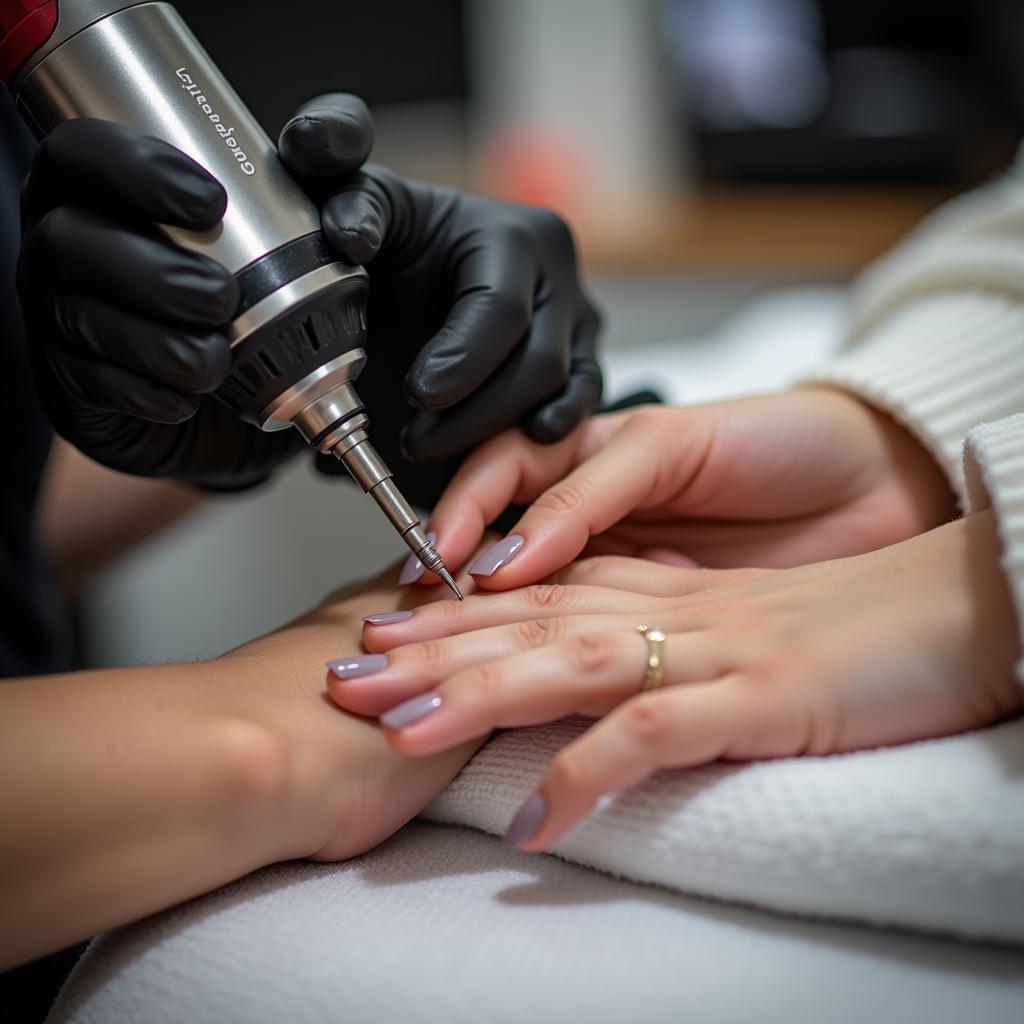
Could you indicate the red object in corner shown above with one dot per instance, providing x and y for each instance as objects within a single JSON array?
[{"x": 24, "y": 26}]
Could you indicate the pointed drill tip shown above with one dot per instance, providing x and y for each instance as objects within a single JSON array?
[{"x": 452, "y": 585}]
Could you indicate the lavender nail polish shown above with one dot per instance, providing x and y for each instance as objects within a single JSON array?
[
  {"x": 528, "y": 819},
  {"x": 386, "y": 618},
  {"x": 358, "y": 665},
  {"x": 403, "y": 715},
  {"x": 495, "y": 557},
  {"x": 414, "y": 568}
]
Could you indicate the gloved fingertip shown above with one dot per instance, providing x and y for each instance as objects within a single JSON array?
[
  {"x": 551, "y": 424},
  {"x": 204, "y": 204},
  {"x": 202, "y": 364},
  {"x": 415, "y": 443},
  {"x": 161, "y": 405},
  {"x": 357, "y": 245},
  {"x": 424, "y": 389},
  {"x": 328, "y": 140},
  {"x": 354, "y": 226}
]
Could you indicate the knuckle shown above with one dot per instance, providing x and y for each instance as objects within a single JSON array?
[
  {"x": 433, "y": 657},
  {"x": 507, "y": 309},
  {"x": 562, "y": 499},
  {"x": 586, "y": 569},
  {"x": 590, "y": 652},
  {"x": 56, "y": 145},
  {"x": 552, "y": 228},
  {"x": 568, "y": 772},
  {"x": 486, "y": 683},
  {"x": 646, "y": 720},
  {"x": 196, "y": 364},
  {"x": 550, "y": 363},
  {"x": 770, "y": 671},
  {"x": 513, "y": 233},
  {"x": 545, "y": 596},
  {"x": 649, "y": 418},
  {"x": 539, "y": 632},
  {"x": 51, "y": 230}
]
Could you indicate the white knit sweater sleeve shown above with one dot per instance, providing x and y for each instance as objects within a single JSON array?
[
  {"x": 994, "y": 478},
  {"x": 936, "y": 333}
]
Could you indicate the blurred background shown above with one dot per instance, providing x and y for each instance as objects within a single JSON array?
[{"x": 727, "y": 166}]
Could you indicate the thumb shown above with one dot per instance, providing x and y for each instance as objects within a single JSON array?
[{"x": 327, "y": 141}]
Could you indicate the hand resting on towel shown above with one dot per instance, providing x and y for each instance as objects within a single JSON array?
[{"x": 915, "y": 640}]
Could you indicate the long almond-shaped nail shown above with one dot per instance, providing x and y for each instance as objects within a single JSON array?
[
  {"x": 386, "y": 618},
  {"x": 528, "y": 819},
  {"x": 414, "y": 568},
  {"x": 495, "y": 557},
  {"x": 403, "y": 715},
  {"x": 358, "y": 665}
]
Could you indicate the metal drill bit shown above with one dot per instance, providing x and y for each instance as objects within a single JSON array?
[
  {"x": 370, "y": 472},
  {"x": 452, "y": 585},
  {"x": 428, "y": 557}
]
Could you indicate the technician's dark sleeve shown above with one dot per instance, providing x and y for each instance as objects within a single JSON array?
[{"x": 33, "y": 636}]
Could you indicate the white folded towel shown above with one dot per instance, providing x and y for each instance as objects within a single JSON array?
[{"x": 928, "y": 836}]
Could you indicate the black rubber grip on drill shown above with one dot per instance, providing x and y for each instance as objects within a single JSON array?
[{"x": 295, "y": 344}]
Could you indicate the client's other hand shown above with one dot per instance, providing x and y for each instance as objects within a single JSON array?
[
  {"x": 346, "y": 789},
  {"x": 914, "y": 641},
  {"x": 769, "y": 481}
]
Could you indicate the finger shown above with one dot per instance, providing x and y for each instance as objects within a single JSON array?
[
  {"x": 113, "y": 390},
  {"x": 418, "y": 667},
  {"x": 357, "y": 219},
  {"x": 638, "y": 575},
  {"x": 143, "y": 274},
  {"x": 674, "y": 728},
  {"x": 182, "y": 361},
  {"x": 538, "y": 368},
  {"x": 481, "y": 611},
  {"x": 728, "y": 544},
  {"x": 646, "y": 463},
  {"x": 509, "y": 469},
  {"x": 123, "y": 174},
  {"x": 581, "y": 395},
  {"x": 586, "y": 674},
  {"x": 491, "y": 311},
  {"x": 327, "y": 141}
]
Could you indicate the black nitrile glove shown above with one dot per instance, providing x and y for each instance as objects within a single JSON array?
[
  {"x": 124, "y": 327},
  {"x": 477, "y": 319}
]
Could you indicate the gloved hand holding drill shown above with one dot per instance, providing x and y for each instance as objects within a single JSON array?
[{"x": 477, "y": 320}]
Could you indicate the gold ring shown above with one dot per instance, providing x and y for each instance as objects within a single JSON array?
[{"x": 655, "y": 674}]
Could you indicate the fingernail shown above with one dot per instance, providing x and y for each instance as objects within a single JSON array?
[
  {"x": 386, "y": 618},
  {"x": 526, "y": 822},
  {"x": 495, "y": 557},
  {"x": 360, "y": 665},
  {"x": 414, "y": 568},
  {"x": 411, "y": 711}
]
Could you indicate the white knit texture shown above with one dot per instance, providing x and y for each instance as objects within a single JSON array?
[
  {"x": 994, "y": 477},
  {"x": 936, "y": 335},
  {"x": 445, "y": 926},
  {"x": 929, "y": 836},
  {"x": 940, "y": 366}
]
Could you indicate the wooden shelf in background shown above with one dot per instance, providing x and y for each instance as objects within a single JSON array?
[{"x": 800, "y": 230}]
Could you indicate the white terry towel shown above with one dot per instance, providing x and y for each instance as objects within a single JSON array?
[{"x": 928, "y": 836}]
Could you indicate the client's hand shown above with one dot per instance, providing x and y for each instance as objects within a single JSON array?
[
  {"x": 917, "y": 640},
  {"x": 347, "y": 789},
  {"x": 770, "y": 481}
]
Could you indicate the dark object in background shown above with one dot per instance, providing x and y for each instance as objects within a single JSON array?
[
  {"x": 832, "y": 91},
  {"x": 278, "y": 55}
]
